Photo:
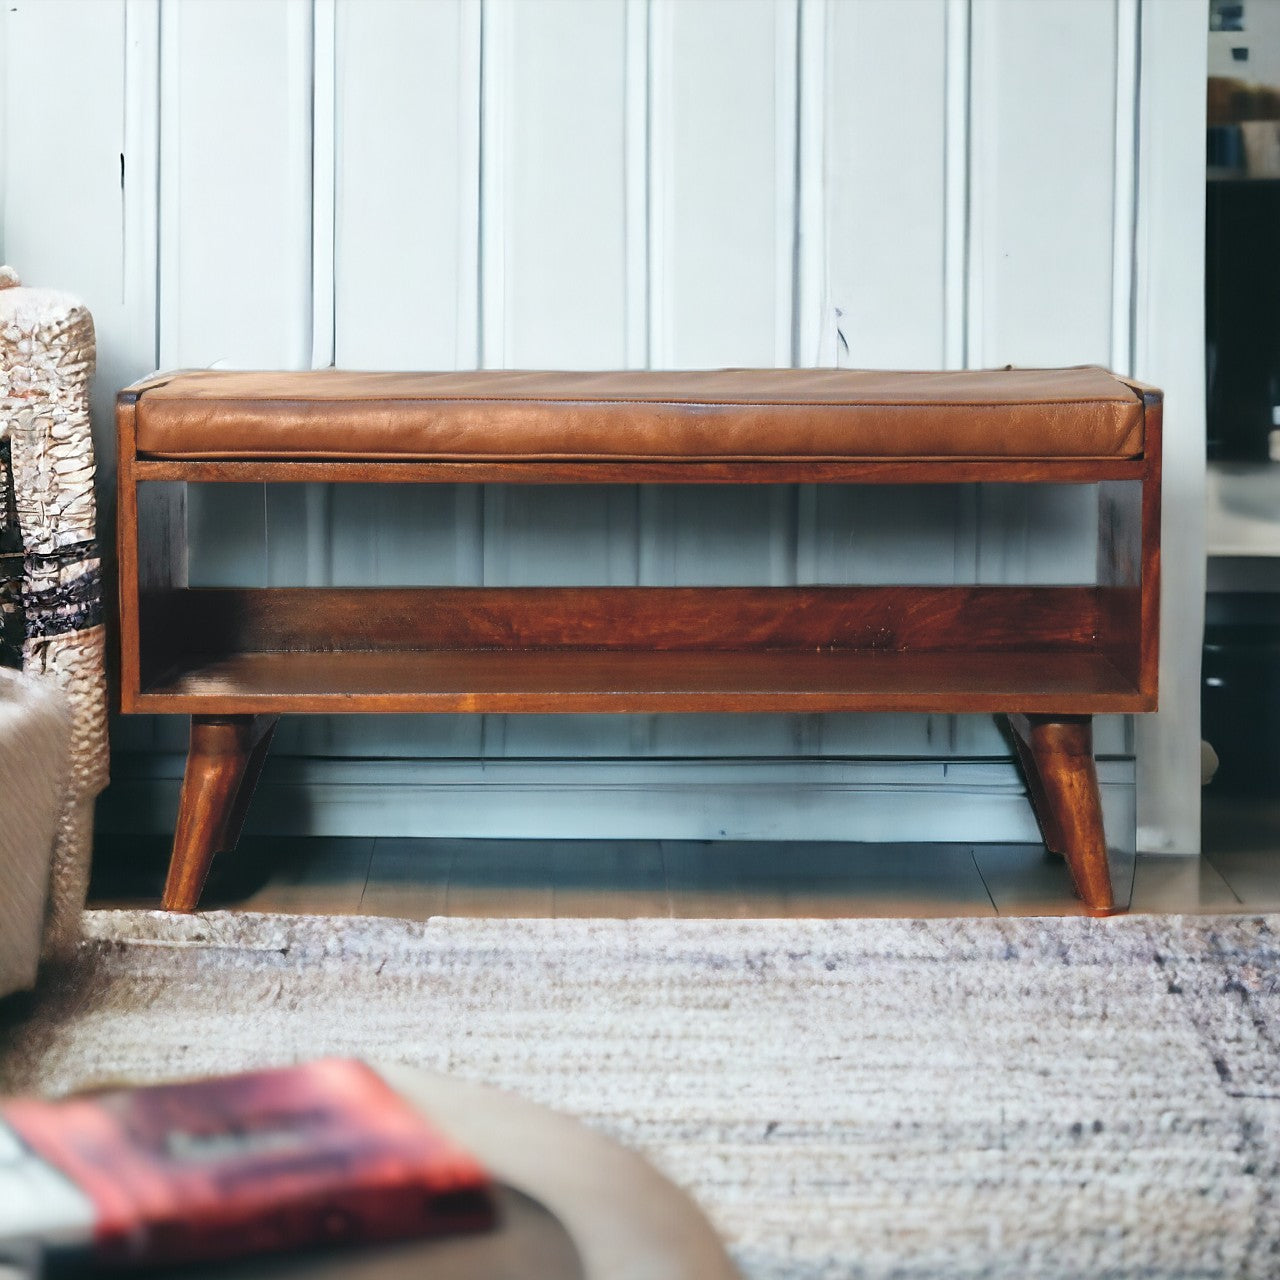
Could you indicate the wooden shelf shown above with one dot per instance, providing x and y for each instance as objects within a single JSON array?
[
  {"x": 640, "y": 471},
  {"x": 619, "y": 680}
]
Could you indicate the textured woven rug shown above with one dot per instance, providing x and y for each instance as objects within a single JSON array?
[{"x": 942, "y": 1098}]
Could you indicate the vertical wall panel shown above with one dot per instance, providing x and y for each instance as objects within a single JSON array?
[
  {"x": 1044, "y": 101},
  {"x": 299, "y": 517},
  {"x": 636, "y": 87},
  {"x": 1124, "y": 184},
  {"x": 235, "y": 226},
  {"x": 1041, "y": 258},
  {"x": 722, "y": 205},
  {"x": 560, "y": 153},
  {"x": 555, "y": 261},
  {"x": 813, "y": 315},
  {"x": 884, "y": 305},
  {"x": 724, "y": 101},
  {"x": 886, "y": 182},
  {"x": 957, "y": 77},
  {"x": 719, "y": 91},
  {"x": 77, "y": 159},
  {"x": 61, "y": 157},
  {"x": 324, "y": 195},
  {"x": 555, "y": 221},
  {"x": 1041, "y": 205},
  {"x": 406, "y": 202},
  {"x": 406, "y": 260},
  {"x": 404, "y": 274},
  {"x": 135, "y": 337},
  {"x": 235, "y": 184},
  {"x": 1169, "y": 351}
]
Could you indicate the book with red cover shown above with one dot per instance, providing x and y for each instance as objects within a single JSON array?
[{"x": 266, "y": 1161}]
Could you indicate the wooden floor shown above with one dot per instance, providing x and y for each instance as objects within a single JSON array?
[{"x": 415, "y": 879}]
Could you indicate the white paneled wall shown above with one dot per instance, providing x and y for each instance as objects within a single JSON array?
[{"x": 629, "y": 183}]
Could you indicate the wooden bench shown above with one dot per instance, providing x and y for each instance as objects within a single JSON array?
[{"x": 1048, "y": 657}]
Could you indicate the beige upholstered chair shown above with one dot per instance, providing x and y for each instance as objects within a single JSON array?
[{"x": 35, "y": 747}]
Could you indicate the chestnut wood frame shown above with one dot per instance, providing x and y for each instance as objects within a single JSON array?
[{"x": 1047, "y": 658}]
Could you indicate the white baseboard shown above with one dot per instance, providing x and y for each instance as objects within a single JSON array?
[{"x": 965, "y": 801}]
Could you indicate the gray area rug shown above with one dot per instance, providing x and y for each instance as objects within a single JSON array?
[{"x": 942, "y": 1098}]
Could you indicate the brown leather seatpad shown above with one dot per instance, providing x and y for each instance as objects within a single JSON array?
[{"x": 720, "y": 415}]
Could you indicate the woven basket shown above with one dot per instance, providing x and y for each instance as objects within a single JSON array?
[{"x": 55, "y": 604}]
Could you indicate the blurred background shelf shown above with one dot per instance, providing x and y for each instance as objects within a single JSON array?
[{"x": 1242, "y": 515}]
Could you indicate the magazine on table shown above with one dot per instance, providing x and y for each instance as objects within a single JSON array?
[{"x": 274, "y": 1161}]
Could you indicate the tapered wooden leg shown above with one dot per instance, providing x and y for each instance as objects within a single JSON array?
[
  {"x": 263, "y": 729},
  {"x": 1057, "y": 755},
  {"x": 1045, "y": 817},
  {"x": 218, "y": 764}
]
